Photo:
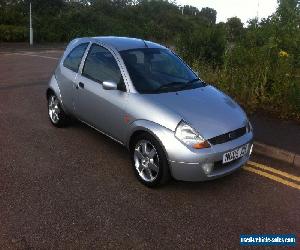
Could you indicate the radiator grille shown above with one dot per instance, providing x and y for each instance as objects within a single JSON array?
[{"x": 228, "y": 136}]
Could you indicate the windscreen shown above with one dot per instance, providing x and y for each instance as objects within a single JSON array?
[{"x": 159, "y": 70}]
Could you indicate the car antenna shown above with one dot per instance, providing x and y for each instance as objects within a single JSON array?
[{"x": 145, "y": 44}]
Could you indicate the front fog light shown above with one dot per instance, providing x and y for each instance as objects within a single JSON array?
[{"x": 207, "y": 167}]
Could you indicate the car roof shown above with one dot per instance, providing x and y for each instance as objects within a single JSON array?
[{"x": 124, "y": 43}]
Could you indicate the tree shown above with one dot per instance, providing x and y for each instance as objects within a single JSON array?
[
  {"x": 209, "y": 15},
  {"x": 190, "y": 10},
  {"x": 235, "y": 29}
]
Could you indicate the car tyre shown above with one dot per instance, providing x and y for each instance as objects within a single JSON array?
[
  {"x": 56, "y": 114},
  {"x": 149, "y": 161}
]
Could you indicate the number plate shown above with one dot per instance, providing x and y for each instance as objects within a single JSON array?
[{"x": 235, "y": 154}]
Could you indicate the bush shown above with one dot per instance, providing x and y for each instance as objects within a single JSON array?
[
  {"x": 11, "y": 33},
  {"x": 258, "y": 78}
]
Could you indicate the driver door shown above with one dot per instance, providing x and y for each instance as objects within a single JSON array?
[{"x": 100, "y": 108}]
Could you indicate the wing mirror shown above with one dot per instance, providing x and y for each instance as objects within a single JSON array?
[{"x": 110, "y": 85}]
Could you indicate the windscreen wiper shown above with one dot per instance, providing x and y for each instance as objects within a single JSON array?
[
  {"x": 170, "y": 86},
  {"x": 192, "y": 81},
  {"x": 189, "y": 83},
  {"x": 178, "y": 85}
]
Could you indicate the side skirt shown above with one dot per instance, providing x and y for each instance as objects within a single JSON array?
[{"x": 109, "y": 136}]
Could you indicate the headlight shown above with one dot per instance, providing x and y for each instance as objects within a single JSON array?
[
  {"x": 188, "y": 136},
  {"x": 249, "y": 127}
]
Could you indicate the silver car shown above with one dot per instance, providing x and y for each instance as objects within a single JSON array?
[{"x": 143, "y": 96}]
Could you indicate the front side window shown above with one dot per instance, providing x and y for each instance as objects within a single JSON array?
[
  {"x": 73, "y": 60},
  {"x": 100, "y": 66},
  {"x": 158, "y": 70}
]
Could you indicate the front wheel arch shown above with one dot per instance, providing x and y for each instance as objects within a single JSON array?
[{"x": 140, "y": 131}]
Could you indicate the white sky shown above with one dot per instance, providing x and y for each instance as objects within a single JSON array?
[{"x": 244, "y": 9}]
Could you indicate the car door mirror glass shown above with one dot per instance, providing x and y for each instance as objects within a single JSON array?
[{"x": 110, "y": 85}]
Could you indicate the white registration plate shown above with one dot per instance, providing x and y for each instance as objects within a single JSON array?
[{"x": 235, "y": 154}]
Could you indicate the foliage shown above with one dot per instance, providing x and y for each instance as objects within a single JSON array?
[
  {"x": 12, "y": 33},
  {"x": 258, "y": 63}
]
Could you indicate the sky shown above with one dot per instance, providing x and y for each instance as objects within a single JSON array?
[{"x": 244, "y": 9}]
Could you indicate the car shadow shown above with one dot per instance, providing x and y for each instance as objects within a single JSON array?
[
  {"x": 78, "y": 125},
  {"x": 205, "y": 185}
]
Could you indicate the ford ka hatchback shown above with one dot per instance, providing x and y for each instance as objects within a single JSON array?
[{"x": 142, "y": 95}]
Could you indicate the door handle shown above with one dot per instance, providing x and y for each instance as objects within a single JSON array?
[{"x": 81, "y": 85}]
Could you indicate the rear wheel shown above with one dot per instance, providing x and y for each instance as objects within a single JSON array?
[
  {"x": 149, "y": 161},
  {"x": 56, "y": 114}
]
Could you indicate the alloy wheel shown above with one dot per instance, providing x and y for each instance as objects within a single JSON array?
[
  {"x": 54, "y": 109},
  {"x": 146, "y": 160}
]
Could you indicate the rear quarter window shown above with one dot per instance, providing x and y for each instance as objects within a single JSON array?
[{"x": 73, "y": 59}]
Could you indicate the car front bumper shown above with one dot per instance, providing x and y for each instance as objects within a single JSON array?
[
  {"x": 195, "y": 172},
  {"x": 207, "y": 164}
]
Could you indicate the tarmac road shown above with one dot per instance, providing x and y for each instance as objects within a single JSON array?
[{"x": 74, "y": 188}]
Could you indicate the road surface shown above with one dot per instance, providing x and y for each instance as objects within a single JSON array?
[{"x": 74, "y": 188}]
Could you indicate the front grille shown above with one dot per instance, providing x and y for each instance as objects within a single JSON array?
[{"x": 228, "y": 136}]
